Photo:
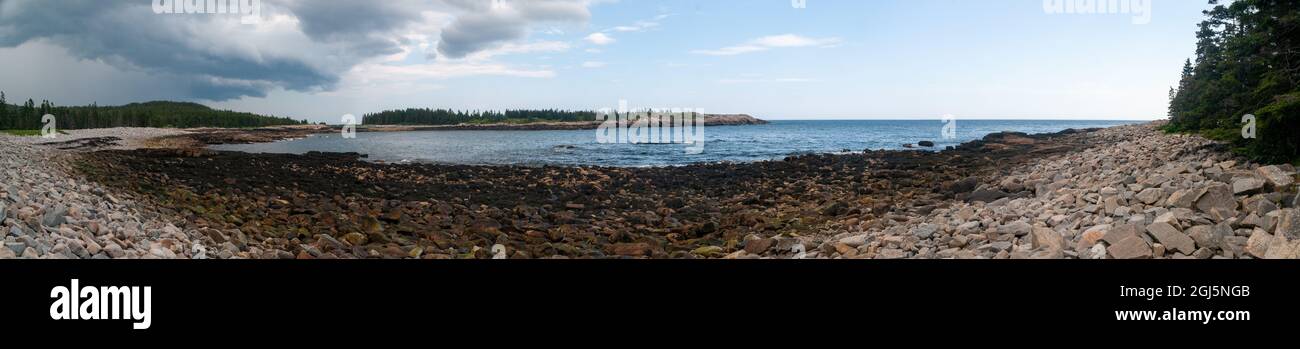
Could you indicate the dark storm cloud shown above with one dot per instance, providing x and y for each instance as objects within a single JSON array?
[
  {"x": 128, "y": 34},
  {"x": 360, "y": 24},
  {"x": 488, "y": 26},
  {"x": 221, "y": 59}
]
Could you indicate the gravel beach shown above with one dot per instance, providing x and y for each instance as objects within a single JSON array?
[
  {"x": 1118, "y": 193},
  {"x": 48, "y": 211}
]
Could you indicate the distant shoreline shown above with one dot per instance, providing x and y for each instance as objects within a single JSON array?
[{"x": 709, "y": 120}]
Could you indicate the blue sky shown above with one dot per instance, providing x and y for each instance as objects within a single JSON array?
[{"x": 834, "y": 59}]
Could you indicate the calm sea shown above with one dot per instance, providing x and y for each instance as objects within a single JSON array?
[{"x": 723, "y": 143}]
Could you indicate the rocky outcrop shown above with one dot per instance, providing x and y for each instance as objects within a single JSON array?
[{"x": 1145, "y": 195}]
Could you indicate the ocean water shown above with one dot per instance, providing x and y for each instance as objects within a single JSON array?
[{"x": 722, "y": 143}]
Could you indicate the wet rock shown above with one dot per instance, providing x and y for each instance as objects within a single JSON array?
[
  {"x": 631, "y": 249},
  {"x": 759, "y": 246},
  {"x": 709, "y": 251},
  {"x": 927, "y": 144},
  {"x": 355, "y": 239}
]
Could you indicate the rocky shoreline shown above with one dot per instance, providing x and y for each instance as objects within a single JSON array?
[{"x": 1122, "y": 192}]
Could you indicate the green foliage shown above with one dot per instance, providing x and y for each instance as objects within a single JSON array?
[
  {"x": 151, "y": 114},
  {"x": 1247, "y": 62},
  {"x": 23, "y": 133},
  {"x": 416, "y": 116},
  {"x": 1279, "y": 126}
]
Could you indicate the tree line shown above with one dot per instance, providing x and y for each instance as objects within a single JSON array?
[
  {"x": 425, "y": 116},
  {"x": 27, "y": 116},
  {"x": 1247, "y": 63}
]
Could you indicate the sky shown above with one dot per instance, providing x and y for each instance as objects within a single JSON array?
[{"x": 774, "y": 59}]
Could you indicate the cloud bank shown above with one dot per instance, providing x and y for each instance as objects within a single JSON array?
[{"x": 298, "y": 45}]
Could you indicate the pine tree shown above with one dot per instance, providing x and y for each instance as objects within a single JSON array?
[
  {"x": 4, "y": 112},
  {"x": 1247, "y": 62}
]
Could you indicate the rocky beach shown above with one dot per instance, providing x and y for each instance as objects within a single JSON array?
[{"x": 1125, "y": 192}]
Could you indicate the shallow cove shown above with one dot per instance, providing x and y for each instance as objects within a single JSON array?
[{"x": 723, "y": 143}]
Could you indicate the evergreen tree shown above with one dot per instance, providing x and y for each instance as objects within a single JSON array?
[
  {"x": 4, "y": 112},
  {"x": 1247, "y": 62}
]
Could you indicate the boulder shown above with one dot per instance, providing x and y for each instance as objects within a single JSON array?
[
  {"x": 1207, "y": 236},
  {"x": 1091, "y": 237},
  {"x": 1119, "y": 233},
  {"x": 1281, "y": 248},
  {"x": 1247, "y": 185},
  {"x": 1172, "y": 238},
  {"x": 1185, "y": 198},
  {"x": 1218, "y": 201},
  {"x": 759, "y": 246},
  {"x": 1151, "y": 196},
  {"x": 1132, "y": 247},
  {"x": 854, "y": 241},
  {"x": 925, "y": 231},
  {"x": 986, "y": 196},
  {"x": 1288, "y": 222},
  {"x": 1258, "y": 243},
  {"x": 1276, "y": 176},
  {"x": 1047, "y": 239},
  {"x": 1016, "y": 228}
]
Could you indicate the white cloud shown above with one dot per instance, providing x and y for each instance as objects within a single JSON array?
[
  {"x": 371, "y": 73},
  {"x": 516, "y": 48},
  {"x": 758, "y": 80},
  {"x": 599, "y": 39},
  {"x": 594, "y": 64},
  {"x": 635, "y": 27},
  {"x": 594, "y": 50},
  {"x": 770, "y": 42}
]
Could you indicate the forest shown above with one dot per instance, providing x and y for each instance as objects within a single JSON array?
[
  {"x": 1247, "y": 64},
  {"x": 27, "y": 116}
]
